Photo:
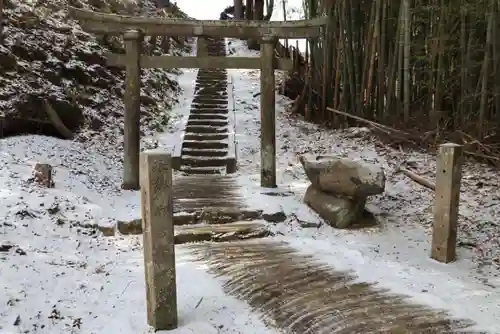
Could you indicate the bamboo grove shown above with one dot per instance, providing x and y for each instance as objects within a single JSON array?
[{"x": 429, "y": 66}]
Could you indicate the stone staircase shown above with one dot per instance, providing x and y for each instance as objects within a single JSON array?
[{"x": 207, "y": 144}]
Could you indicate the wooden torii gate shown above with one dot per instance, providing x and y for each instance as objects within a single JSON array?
[{"x": 133, "y": 29}]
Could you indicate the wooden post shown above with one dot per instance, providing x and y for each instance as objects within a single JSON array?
[
  {"x": 267, "y": 114},
  {"x": 165, "y": 44},
  {"x": 201, "y": 46},
  {"x": 449, "y": 173},
  {"x": 158, "y": 235},
  {"x": 131, "y": 141},
  {"x": 152, "y": 44}
]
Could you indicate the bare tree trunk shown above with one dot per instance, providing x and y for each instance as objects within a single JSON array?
[
  {"x": 2, "y": 5},
  {"x": 249, "y": 10},
  {"x": 484, "y": 82},
  {"x": 406, "y": 61},
  {"x": 269, "y": 10},
  {"x": 238, "y": 9},
  {"x": 258, "y": 13}
]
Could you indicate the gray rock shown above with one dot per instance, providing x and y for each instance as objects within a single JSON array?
[
  {"x": 336, "y": 211},
  {"x": 130, "y": 227},
  {"x": 343, "y": 176}
]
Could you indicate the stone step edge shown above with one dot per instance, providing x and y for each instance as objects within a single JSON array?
[
  {"x": 134, "y": 227},
  {"x": 214, "y": 158}
]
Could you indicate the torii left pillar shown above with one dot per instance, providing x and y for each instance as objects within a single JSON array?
[{"x": 132, "y": 131}]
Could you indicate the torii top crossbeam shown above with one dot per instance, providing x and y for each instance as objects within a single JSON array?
[{"x": 112, "y": 24}]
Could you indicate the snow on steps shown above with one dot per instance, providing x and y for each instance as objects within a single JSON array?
[
  {"x": 188, "y": 233},
  {"x": 301, "y": 295},
  {"x": 201, "y": 200}
]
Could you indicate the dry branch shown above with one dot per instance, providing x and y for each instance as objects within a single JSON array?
[
  {"x": 398, "y": 134},
  {"x": 56, "y": 121},
  {"x": 417, "y": 178}
]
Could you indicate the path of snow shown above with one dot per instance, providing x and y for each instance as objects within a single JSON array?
[{"x": 59, "y": 278}]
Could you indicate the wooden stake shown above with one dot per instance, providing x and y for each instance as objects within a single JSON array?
[
  {"x": 158, "y": 235},
  {"x": 131, "y": 141},
  {"x": 267, "y": 114},
  {"x": 43, "y": 175},
  {"x": 449, "y": 173}
]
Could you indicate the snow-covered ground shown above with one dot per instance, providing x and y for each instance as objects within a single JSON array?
[
  {"x": 396, "y": 254},
  {"x": 59, "y": 277}
]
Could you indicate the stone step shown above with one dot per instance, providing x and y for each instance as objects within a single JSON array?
[
  {"x": 211, "y": 94},
  {"x": 203, "y": 110},
  {"x": 221, "y": 76},
  {"x": 214, "y": 71},
  {"x": 219, "y": 94},
  {"x": 204, "y": 152},
  {"x": 211, "y": 88},
  {"x": 209, "y": 100},
  {"x": 205, "y": 129},
  {"x": 211, "y": 85},
  {"x": 215, "y": 214},
  {"x": 220, "y": 232},
  {"x": 205, "y": 137},
  {"x": 218, "y": 74},
  {"x": 212, "y": 77},
  {"x": 208, "y": 92},
  {"x": 208, "y": 144},
  {"x": 208, "y": 122},
  {"x": 203, "y": 97},
  {"x": 210, "y": 81},
  {"x": 202, "y": 170},
  {"x": 206, "y": 116},
  {"x": 211, "y": 91},
  {"x": 215, "y": 75},
  {"x": 209, "y": 106},
  {"x": 216, "y": 86},
  {"x": 203, "y": 161},
  {"x": 219, "y": 84}
]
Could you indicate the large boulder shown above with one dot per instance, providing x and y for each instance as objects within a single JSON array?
[
  {"x": 343, "y": 176},
  {"x": 336, "y": 211}
]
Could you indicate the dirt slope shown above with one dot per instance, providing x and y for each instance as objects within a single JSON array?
[{"x": 47, "y": 57}]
